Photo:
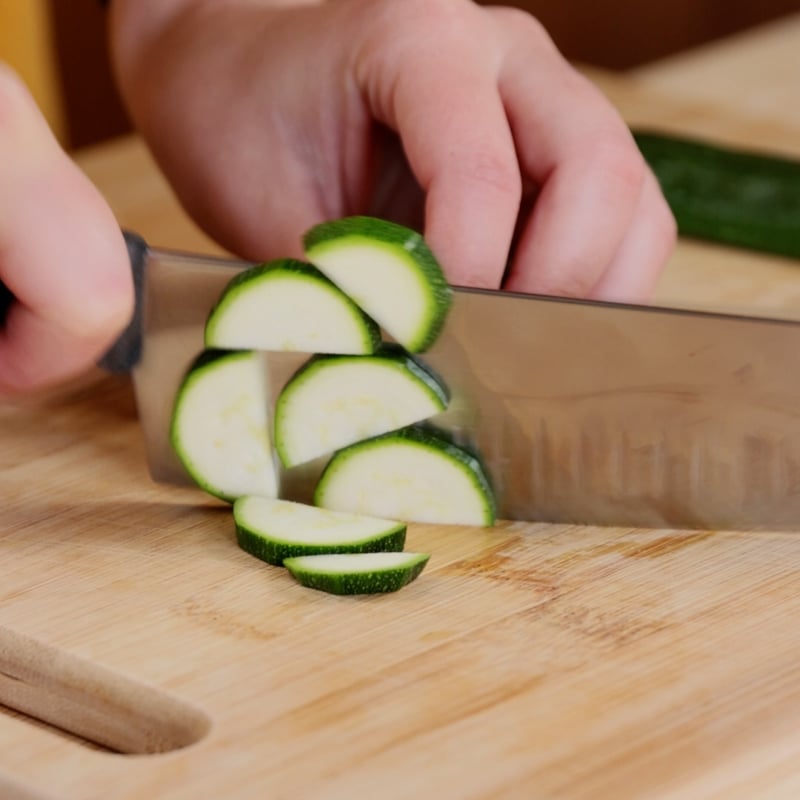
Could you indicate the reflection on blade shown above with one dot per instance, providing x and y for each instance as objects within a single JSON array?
[
  {"x": 584, "y": 412},
  {"x": 179, "y": 292}
]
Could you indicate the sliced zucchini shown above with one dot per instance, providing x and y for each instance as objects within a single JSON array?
[
  {"x": 220, "y": 425},
  {"x": 415, "y": 474},
  {"x": 333, "y": 401},
  {"x": 289, "y": 305},
  {"x": 357, "y": 573},
  {"x": 274, "y": 530},
  {"x": 389, "y": 271}
]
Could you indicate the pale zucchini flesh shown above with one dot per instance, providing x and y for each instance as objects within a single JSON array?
[
  {"x": 357, "y": 573},
  {"x": 389, "y": 271},
  {"x": 274, "y": 530},
  {"x": 416, "y": 474},
  {"x": 334, "y": 401},
  {"x": 357, "y": 397},
  {"x": 288, "y": 305},
  {"x": 220, "y": 426}
]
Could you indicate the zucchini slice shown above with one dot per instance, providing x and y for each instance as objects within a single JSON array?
[
  {"x": 415, "y": 474},
  {"x": 288, "y": 305},
  {"x": 274, "y": 530},
  {"x": 357, "y": 573},
  {"x": 334, "y": 401},
  {"x": 220, "y": 425},
  {"x": 389, "y": 271}
]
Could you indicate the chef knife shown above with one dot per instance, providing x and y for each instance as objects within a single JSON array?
[{"x": 583, "y": 411}]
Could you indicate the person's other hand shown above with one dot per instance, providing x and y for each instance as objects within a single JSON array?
[
  {"x": 62, "y": 255},
  {"x": 463, "y": 121}
]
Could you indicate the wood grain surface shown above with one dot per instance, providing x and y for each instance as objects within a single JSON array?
[
  {"x": 754, "y": 73},
  {"x": 528, "y": 660}
]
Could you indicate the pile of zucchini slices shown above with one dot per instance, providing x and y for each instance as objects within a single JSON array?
[{"x": 360, "y": 402}]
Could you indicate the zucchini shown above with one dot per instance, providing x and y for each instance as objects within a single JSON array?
[
  {"x": 333, "y": 401},
  {"x": 732, "y": 196},
  {"x": 220, "y": 425},
  {"x": 389, "y": 271},
  {"x": 415, "y": 474},
  {"x": 357, "y": 573},
  {"x": 288, "y": 305},
  {"x": 274, "y": 530}
]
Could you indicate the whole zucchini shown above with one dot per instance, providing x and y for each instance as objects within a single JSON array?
[{"x": 738, "y": 197}]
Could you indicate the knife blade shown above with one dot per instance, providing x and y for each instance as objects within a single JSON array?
[{"x": 585, "y": 412}]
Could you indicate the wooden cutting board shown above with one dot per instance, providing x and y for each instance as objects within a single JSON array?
[{"x": 528, "y": 660}]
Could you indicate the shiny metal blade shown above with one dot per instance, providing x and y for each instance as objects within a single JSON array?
[{"x": 584, "y": 412}]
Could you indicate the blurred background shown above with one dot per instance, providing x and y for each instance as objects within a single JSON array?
[{"x": 59, "y": 47}]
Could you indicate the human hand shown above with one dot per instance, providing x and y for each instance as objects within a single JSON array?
[
  {"x": 62, "y": 254},
  {"x": 462, "y": 121}
]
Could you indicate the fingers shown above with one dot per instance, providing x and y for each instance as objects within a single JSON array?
[
  {"x": 648, "y": 243},
  {"x": 478, "y": 123},
  {"x": 596, "y": 191},
  {"x": 441, "y": 97},
  {"x": 62, "y": 254},
  {"x": 241, "y": 115},
  {"x": 481, "y": 100}
]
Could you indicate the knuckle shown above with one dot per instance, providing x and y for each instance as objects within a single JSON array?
[
  {"x": 522, "y": 24},
  {"x": 492, "y": 170},
  {"x": 616, "y": 158},
  {"x": 575, "y": 281},
  {"x": 438, "y": 11},
  {"x": 418, "y": 12},
  {"x": 429, "y": 24}
]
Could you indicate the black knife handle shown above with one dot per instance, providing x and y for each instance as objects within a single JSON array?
[{"x": 126, "y": 351}]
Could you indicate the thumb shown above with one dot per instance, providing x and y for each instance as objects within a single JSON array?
[{"x": 62, "y": 254}]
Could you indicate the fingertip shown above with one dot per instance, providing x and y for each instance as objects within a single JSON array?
[
  {"x": 471, "y": 214},
  {"x": 69, "y": 263},
  {"x": 62, "y": 254},
  {"x": 634, "y": 273},
  {"x": 36, "y": 355},
  {"x": 580, "y": 218},
  {"x": 103, "y": 295},
  {"x": 448, "y": 113}
]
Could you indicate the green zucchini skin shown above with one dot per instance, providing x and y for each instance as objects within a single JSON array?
[
  {"x": 736, "y": 197},
  {"x": 391, "y": 353},
  {"x": 201, "y": 369},
  {"x": 269, "y": 546},
  {"x": 206, "y": 358},
  {"x": 406, "y": 245},
  {"x": 301, "y": 274},
  {"x": 426, "y": 437},
  {"x": 355, "y": 583},
  {"x": 388, "y": 356},
  {"x": 275, "y": 553}
]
